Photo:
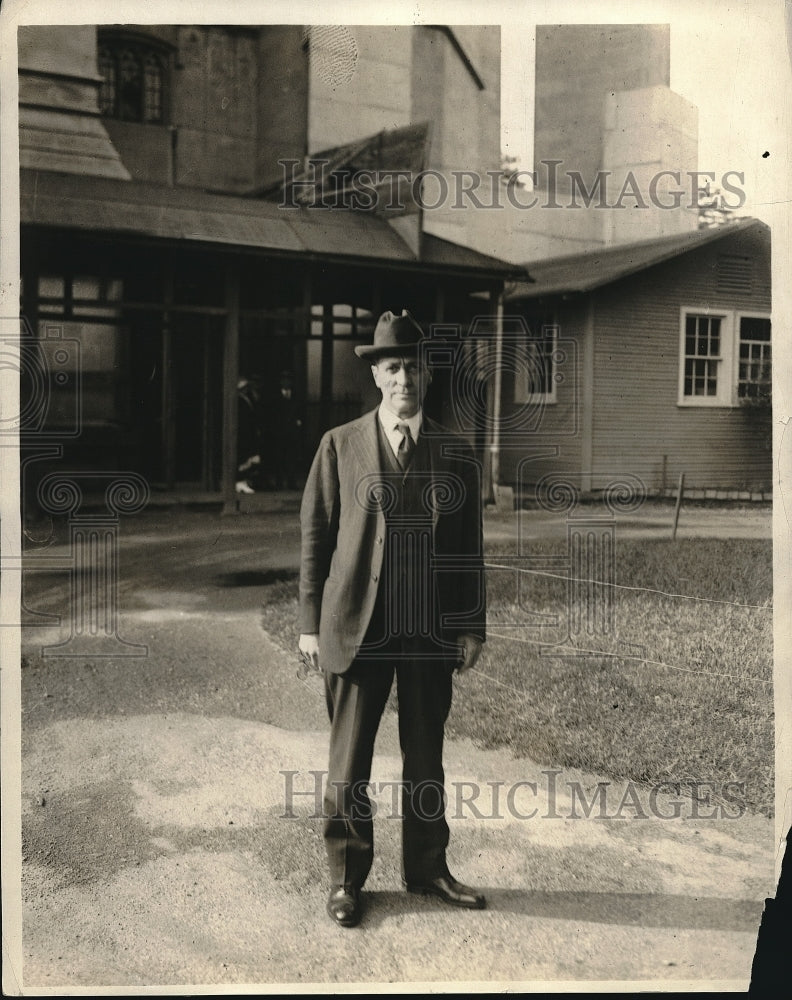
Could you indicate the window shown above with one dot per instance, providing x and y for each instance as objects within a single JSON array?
[
  {"x": 702, "y": 355},
  {"x": 753, "y": 375},
  {"x": 541, "y": 357},
  {"x": 133, "y": 80},
  {"x": 334, "y": 364},
  {"x": 84, "y": 310},
  {"x": 536, "y": 375},
  {"x": 725, "y": 357}
]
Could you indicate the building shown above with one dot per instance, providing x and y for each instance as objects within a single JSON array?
[
  {"x": 615, "y": 150},
  {"x": 648, "y": 360},
  {"x": 164, "y": 253},
  {"x": 191, "y": 214}
]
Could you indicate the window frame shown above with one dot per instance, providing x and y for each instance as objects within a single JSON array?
[
  {"x": 739, "y": 315},
  {"x": 522, "y": 396},
  {"x": 143, "y": 48},
  {"x": 727, "y": 375}
]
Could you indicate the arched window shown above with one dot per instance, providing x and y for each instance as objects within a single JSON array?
[{"x": 133, "y": 80}]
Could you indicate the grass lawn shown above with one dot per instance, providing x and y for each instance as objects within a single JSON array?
[{"x": 678, "y": 690}]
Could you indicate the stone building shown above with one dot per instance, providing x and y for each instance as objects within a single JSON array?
[{"x": 164, "y": 250}]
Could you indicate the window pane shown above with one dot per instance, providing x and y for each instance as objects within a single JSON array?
[
  {"x": 129, "y": 89},
  {"x": 754, "y": 328},
  {"x": 85, "y": 288},
  {"x": 754, "y": 378},
  {"x": 702, "y": 355},
  {"x": 96, "y": 355},
  {"x": 51, "y": 287}
]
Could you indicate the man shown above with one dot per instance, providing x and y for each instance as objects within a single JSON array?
[
  {"x": 391, "y": 583},
  {"x": 248, "y": 434},
  {"x": 287, "y": 445}
]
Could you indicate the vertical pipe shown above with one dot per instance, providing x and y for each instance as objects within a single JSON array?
[
  {"x": 497, "y": 399},
  {"x": 166, "y": 397},
  {"x": 587, "y": 401},
  {"x": 326, "y": 390},
  {"x": 230, "y": 379}
]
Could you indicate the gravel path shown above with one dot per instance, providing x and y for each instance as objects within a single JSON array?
[{"x": 160, "y": 847}]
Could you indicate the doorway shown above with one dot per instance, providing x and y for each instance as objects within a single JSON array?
[{"x": 177, "y": 386}]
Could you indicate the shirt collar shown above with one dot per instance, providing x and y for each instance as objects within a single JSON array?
[{"x": 388, "y": 419}]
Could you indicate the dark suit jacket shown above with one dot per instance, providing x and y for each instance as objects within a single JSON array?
[{"x": 344, "y": 529}]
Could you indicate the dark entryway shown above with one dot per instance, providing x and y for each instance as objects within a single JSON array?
[{"x": 176, "y": 390}]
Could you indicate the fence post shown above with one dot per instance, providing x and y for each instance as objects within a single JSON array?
[{"x": 680, "y": 491}]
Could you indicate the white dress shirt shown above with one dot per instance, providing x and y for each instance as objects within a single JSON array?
[{"x": 389, "y": 421}]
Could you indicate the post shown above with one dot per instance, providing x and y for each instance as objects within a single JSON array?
[
  {"x": 230, "y": 379},
  {"x": 496, "y": 402},
  {"x": 166, "y": 397},
  {"x": 680, "y": 490},
  {"x": 587, "y": 400}
]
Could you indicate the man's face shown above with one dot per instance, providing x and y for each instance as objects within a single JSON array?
[{"x": 403, "y": 382}]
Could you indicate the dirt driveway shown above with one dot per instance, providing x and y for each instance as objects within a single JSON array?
[{"x": 170, "y": 836}]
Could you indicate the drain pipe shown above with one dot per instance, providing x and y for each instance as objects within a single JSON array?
[{"x": 496, "y": 396}]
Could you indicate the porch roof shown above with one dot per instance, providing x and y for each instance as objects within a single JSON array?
[{"x": 134, "y": 209}]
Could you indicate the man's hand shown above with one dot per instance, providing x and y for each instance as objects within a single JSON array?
[
  {"x": 470, "y": 650},
  {"x": 309, "y": 648}
]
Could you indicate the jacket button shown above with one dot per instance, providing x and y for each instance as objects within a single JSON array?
[
  {"x": 374, "y": 577},
  {"x": 379, "y": 540}
]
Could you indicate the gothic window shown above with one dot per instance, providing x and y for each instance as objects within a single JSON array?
[{"x": 134, "y": 78}]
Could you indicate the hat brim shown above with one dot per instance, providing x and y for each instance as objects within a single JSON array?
[{"x": 370, "y": 353}]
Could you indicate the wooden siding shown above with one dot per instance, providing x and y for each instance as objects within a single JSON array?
[
  {"x": 636, "y": 417},
  {"x": 561, "y": 423}
]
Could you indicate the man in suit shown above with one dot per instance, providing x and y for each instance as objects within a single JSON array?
[{"x": 391, "y": 583}]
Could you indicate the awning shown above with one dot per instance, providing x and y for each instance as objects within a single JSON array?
[{"x": 133, "y": 209}]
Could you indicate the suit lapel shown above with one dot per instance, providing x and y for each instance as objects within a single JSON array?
[
  {"x": 365, "y": 444},
  {"x": 365, "y": 448}
]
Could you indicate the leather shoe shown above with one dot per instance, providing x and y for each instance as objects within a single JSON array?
[
  {"x": 447, "y": 888},
  {"x": 343, "y": 905}
]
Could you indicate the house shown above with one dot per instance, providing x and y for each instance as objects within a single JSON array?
[
  {"x": 643, "y": 362},
  {"x": 167, "y": 248}
]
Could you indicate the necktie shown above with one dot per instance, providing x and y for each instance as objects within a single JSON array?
[{"x": 406, "y": 447}]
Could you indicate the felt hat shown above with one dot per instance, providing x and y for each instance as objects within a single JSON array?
[{"x": 392, "y": 335}]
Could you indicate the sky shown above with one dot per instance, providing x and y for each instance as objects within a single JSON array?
[{"x": 729, "y": 59}]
